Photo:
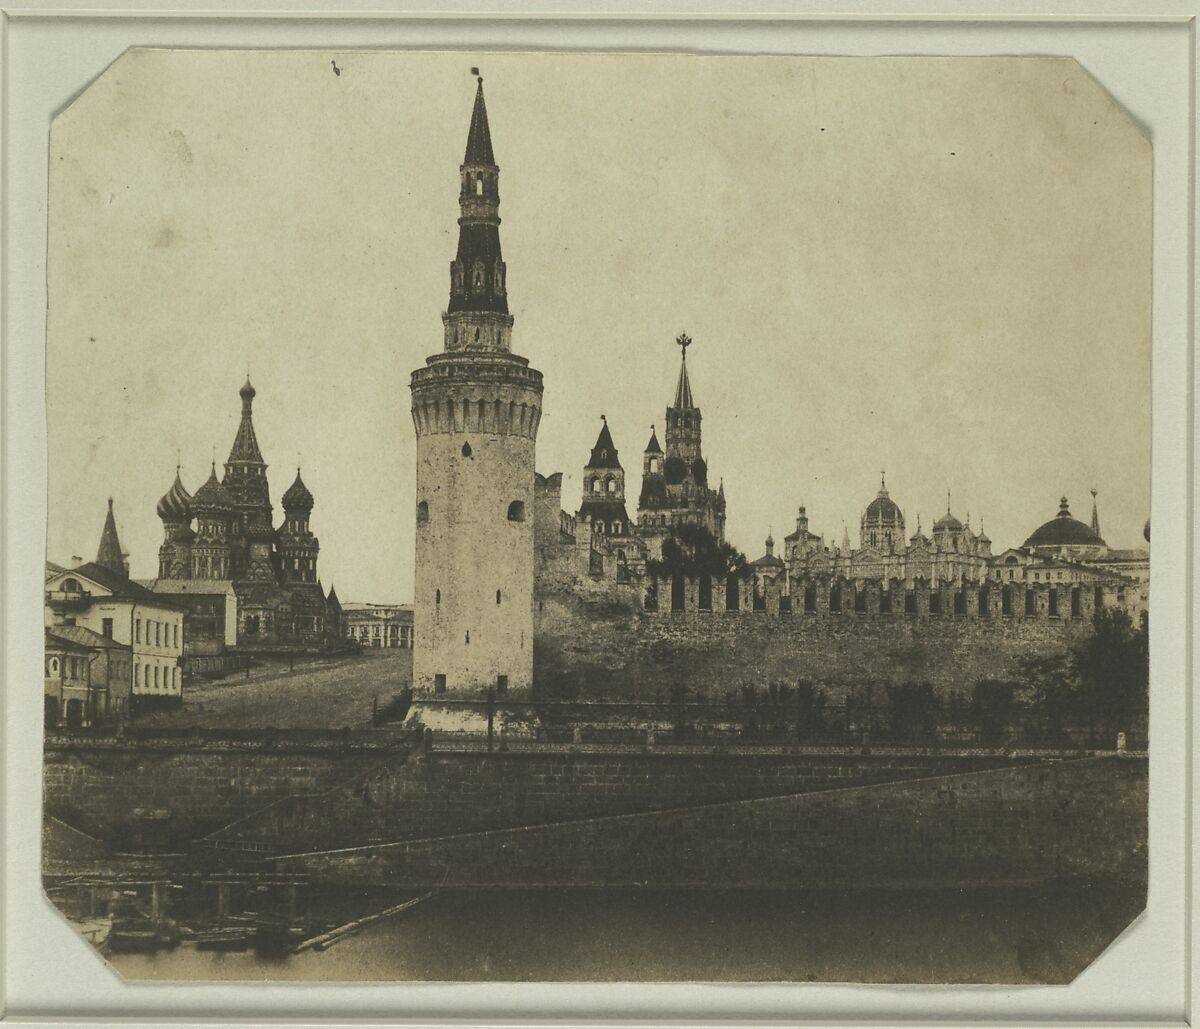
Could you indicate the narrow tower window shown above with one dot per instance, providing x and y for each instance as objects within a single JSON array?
[
  {"x": 516, "y": 511},
  {"x": 437, "y": 596},
  {"x": 497, "y": 596},
  {"x": 423, "y": 512},
  {"x": 466, "y": 450}
]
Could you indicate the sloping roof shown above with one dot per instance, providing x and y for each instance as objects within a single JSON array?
[
  {"x": 604, "y": 453},
  {"x": 86, "y": 637},
  {"x": 479, "y": 137},
  {"x": 652, "y": 447},
  {"x": 54, "y": 639},
  {"x": 121, "y": 587}
]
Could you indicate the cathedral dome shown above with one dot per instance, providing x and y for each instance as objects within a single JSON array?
[
  {"x": 297, "y": 497},
  {"x": 175, "y": 503},
  {"x": 1064, "y": 531},
  {"x": 883, "y": 509},
  {"x": 247, "y": 392},
  {"x": 947, "y": 523},
  {"x": 700, "y": 472},
  {"x": 212, "y": 496}
]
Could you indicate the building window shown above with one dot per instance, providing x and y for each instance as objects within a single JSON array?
[
  {"x": 1099, "y": 598},
  {"x": 885, "y": 602},
  {"x": 935, "y": 602},
  {"x": 516, "y": 511},
  {"x": 1076, "y": 603},
  {"x": 705, "y": 593},
  {"x": 910, "y": 602},
  {"x": 835, "y": 600},
  {"x": 497, "y": 596},
  {"x": 106, "y": 627},
  {"x": 158, "y": 634},
  {"x": 422, "y": 512},
  {"x": 71, "y": 586},
  {"x": 439, "y": 683},
  {"x": 960, "y": 602},
  {"x": 984, "y": 602},
  {"x": 1052, "y": 601},
  {"x": 437, "y": 596},
  {"x": 1006, "y": 601},
  {"x": 596, "y": 487},
  {"x": 468, "y": 638},
  {"x": 860, "y": 601},
  {"x": 1030, "y": 603},
  {"x": 502, "y": 684},
  {"x": 810, "y": 600},
  {"x": 732, "y": 593},
  {"x": 156, "y": 676},
  {"x": 677, "y": 592},
  {"x": 137, "y": 631},
  {"x": 611, "y": 485}
]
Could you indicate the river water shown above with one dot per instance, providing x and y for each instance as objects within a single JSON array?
[{"x": 1015, "y": 935}]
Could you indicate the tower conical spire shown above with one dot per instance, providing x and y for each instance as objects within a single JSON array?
[
  {"x": 683, "y": 389},
  {"x": 110, "y": 555},
  {"x": 1095, "y": 515},
  {"x": 479, "y": 137},
  {"x": 477, "y": 273}
]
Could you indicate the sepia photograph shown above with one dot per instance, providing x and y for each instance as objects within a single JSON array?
[{"x": 597, "y": 517}]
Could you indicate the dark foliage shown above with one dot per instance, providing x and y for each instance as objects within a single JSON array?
[{"x": 691, "y": 550}]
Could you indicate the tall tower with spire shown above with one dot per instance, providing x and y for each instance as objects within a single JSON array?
[
  {"x": 250, "y": 530},
  {"x": 683, "y": 496},
  {"x": 603, "y": 503},
  {"x": 476, "y": 407}
]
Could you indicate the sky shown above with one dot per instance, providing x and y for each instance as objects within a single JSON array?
[{"x": 937, "y": 267}]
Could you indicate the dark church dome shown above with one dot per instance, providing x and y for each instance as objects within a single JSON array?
[
  {"x": 674, "y": 470},
  {"x": 212, "y": 495},
  {"x": 175, "y": 503},
  {"x": 947, "y": 523},
  {"x": 883, "y": 509},
  {"x": 297, "y": 497},
  {"x": 1064, "y": 531}
]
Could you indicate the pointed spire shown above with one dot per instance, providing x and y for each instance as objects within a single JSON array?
[
  {"x": 604, "y": 453},
  {"x": 245, "y": 443},
  {"x": 683, "y": 389},
  {"x": 110, "y": 555},
  {"x": 479, "y": 137},
  {"x": 653, "y": 446},
  {"x": 1095, "y": 515}
]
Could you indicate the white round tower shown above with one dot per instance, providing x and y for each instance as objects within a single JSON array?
[{"x": 476, "y": 408}]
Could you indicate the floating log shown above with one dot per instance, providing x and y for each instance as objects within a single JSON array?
[{"x": 350, "y": 928}]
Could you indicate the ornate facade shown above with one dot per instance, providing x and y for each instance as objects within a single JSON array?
[
  {"x": 272, "y": 571},
  {"x": 675, "y": 489}
]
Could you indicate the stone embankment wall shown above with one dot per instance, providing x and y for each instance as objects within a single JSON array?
[
  {"x": 1074, "y": 819},
  {"x": 440, "y": 792},
  {"x": 598, "y": 648},
  {"x": 168, "y": 791}
]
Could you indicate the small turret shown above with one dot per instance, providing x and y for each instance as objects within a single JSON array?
[{"x": 110, "y": 555}]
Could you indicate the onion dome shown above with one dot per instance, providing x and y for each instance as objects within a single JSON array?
[
  {"x": 297, "y": 497},
  {"x": 700, "y": 472},
  {"x": 918, "y": 536},
  {"x": 212, "y": 496},
  {"x": 1064, "y": 531},
  {"x": 175, "y": 503},
  {"x": 247, "y": 392}
]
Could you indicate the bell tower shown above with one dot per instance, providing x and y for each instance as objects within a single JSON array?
[{"x": 476, "y": 407}]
